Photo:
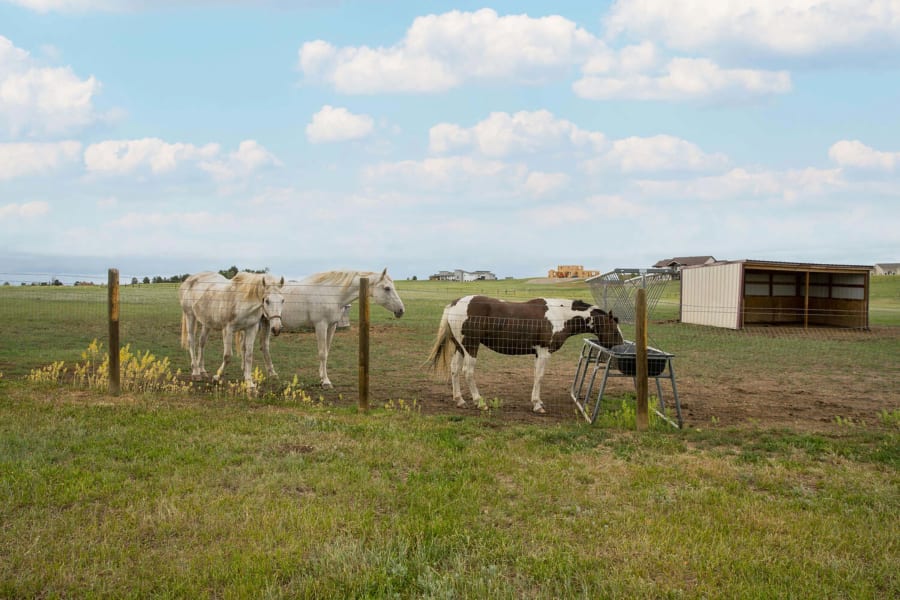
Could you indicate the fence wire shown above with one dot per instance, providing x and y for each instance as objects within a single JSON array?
[{"x": 781, "y": 374}]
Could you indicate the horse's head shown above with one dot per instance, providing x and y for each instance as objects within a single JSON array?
[
  {"x": 606, "y": 328},
  {"x": 384, "y": 293},
  {"x": 273, "y": 302}
]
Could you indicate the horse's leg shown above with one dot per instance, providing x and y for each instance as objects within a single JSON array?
[
  {"x": 469, "y": 370},
  {"x": 247, "y": 353},
  {"x": 266, "y": 336},
  {"x": 227, "y": 334},
  {"x": 455, "y": 363},
  {"x": 540, "y": 365},
  {"x": 201, "y": 345},
  {"x": 191, "y": 330},
  {"x": 322, "y": 343}
]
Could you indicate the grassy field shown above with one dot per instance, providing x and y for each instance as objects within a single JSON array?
[
  {"x": 220, "y": 495},
  {"x": 141, "y": 496}
]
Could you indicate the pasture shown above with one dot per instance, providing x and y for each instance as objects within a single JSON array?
[
  {"x": 782, "y": 484},
  {"x": 764, "y": 376}
]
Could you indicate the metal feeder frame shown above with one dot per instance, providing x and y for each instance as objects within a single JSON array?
[
  {"x": 615, "y": 291},
  {"x": 592, "y": 353}
]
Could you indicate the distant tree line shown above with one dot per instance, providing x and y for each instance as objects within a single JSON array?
[{"x": 227, "y": 273}]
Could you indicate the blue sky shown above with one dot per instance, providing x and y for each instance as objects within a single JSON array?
[{"x": 170, "y": 136}]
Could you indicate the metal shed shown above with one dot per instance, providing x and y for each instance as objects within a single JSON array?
[{"x": 735, "y": 294}]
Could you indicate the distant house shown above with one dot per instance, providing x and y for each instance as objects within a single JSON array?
[
  {"x": 460, "y": 275},
  {"x": 680, "y": 262},
  {"x": 570, "y": 271},
  {"x": 887, "y": 269}
]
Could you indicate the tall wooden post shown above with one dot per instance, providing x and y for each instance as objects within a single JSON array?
[
  {"x": 113, "y": 289},
  {"x": 806, "y": 303},
  {"x": 364, "y": 343},
  {"x": 640, "y": 342}
]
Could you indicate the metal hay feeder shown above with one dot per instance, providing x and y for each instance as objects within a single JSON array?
[{"x": 616, "y": 291}]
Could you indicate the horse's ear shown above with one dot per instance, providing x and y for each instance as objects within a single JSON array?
[
  {"x": 383, "y": 274},
  {"x": 282, "y": 281}
]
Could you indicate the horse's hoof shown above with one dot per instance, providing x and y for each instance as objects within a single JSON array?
[
  {"x": 197, "y": 377},
  {"x": 539, "y": 409},
  {"x": 482, "y": 405},
  {"x": 460, "y": 403},
  {"x": 327, "y": 385}
]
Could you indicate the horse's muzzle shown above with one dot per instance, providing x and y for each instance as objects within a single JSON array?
[
  {"x": 398, "y": 313},
  {"x": 275, "y": 325}
]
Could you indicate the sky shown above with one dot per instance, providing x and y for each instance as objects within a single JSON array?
[{"x": 163, "y": 137}]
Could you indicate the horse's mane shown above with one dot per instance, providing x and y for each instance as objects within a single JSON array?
[
  {"x": 252, "y": 286},
  {"x": 341, "y": 278}
]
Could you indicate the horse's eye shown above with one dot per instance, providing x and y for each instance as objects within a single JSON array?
[{"x": 387, "y": 288}]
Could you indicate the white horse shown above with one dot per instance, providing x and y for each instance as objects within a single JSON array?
[
  {"x": 319, "y": 300},
  {"x": 210, "y": 301}
]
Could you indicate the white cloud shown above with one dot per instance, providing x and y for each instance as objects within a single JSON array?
[
  {"x": 681, "y": 79},
  {"x": 597, "y": 209},
  {"x": 856, "y": 154},
  {"x": 789, "y": 186},
  {"x": 70, "y": 6},
  {"x": 656, "y": 154},
  {"x": 333, "y": 124},
  {"x": 503, "y": 134},
  {"x": 440, "y": 52},
  {"x": 23, "y": 159},
  {"x": 791, "y": 28},
  {"x": 37, "y": 101},
  {"x": 28, "y": 210},
  {"x": 441, "y": 173},
  {"x": 45, "y": 6},
  {"x": 249, "y": 157},
  {"x": 121, "y": 157},
  {"x": 543, "y": 184},
  {"x": 461, "y": 180},
  {"x": 194, "y": 221}
]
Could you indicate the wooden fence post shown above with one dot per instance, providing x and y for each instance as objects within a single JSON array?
[
  {"x": 113, "y": 289},
  {"x": 640, "y": 341},
  {"x": 364, "y": 343}
]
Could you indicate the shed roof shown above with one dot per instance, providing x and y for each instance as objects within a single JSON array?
[{"x": 788, "y": 266}]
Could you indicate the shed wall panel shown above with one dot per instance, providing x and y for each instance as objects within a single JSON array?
[{"x": 711, "y": 295}]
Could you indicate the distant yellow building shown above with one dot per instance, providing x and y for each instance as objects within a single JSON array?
[{"x": 571, "y": 271}]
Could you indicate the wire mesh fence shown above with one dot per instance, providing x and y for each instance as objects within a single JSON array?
[{"x": 776, "y": 374}]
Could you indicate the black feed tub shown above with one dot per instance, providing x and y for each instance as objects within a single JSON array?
[{"x": 624, "y": 359}]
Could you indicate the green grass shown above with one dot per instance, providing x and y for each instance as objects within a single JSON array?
[
  {"x": 220, "y": 495},
  {"x": 176, "y": 497}
]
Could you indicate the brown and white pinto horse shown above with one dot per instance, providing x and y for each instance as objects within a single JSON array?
[{"x": 538, "y": 327}]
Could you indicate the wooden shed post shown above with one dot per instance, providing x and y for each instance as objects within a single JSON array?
[
  {"x": 640, "y": 341},
  {"x": 806, "y": 303},
  {"x": 113, "y": 303},
  {"x": 364, "y": 343}
]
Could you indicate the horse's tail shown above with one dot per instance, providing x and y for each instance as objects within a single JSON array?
[{"x": 439, "y": 358}]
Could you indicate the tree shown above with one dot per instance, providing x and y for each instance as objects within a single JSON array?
[
  {"x": 229, "y": 272},
  {"x": 146, "y": 280}
]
